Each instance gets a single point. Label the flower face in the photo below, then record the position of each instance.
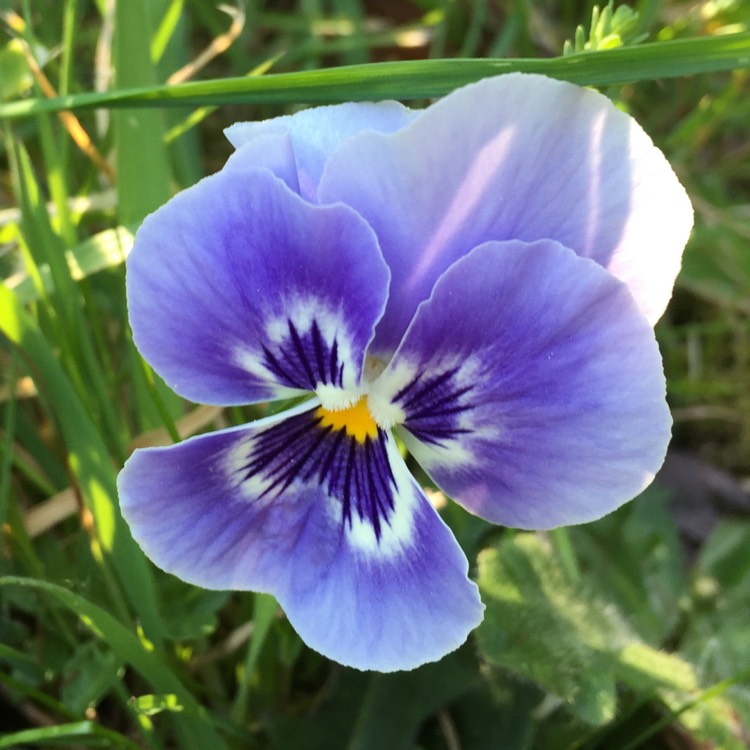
(479, 278)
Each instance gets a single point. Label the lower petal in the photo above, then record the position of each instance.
(530, 387)
(335, 527)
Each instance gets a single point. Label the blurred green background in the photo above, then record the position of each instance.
(628, 633)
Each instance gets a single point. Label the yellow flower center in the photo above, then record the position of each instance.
(357, 420)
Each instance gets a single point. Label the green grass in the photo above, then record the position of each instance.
(99, 648)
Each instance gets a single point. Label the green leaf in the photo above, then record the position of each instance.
(564, 635)
(635, 556)
(375, 711)
(407, 699)
(419, 79)
(15, 76)
(193, 726)
(716, 635)
(143, 176)
(104, 250)
(193, 611)
(150, 705)
(89, 462)
(543, 628)
(726, 557)
(64, 733)
(90, 675)
(501, 713)
(265, 608)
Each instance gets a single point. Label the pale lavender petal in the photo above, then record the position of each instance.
(272, 151)
(240, 291)
(530, 387)
(314, 134)
(335, 528)
(514, 157)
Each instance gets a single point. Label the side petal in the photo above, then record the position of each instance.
(530, 387)
(240, 291)
(517, 157)
(314, 134)
(335, 528)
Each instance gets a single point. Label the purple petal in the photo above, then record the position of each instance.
(333, 526)
(272, 151)
(240, 291)
(530, 387)
(514, 157)
(307, 138)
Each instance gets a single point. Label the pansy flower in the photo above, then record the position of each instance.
(473, 284)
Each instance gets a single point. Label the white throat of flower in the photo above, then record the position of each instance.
(377, 401)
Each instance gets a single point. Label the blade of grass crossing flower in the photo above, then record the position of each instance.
(89, 461)
(419, 79)
(142, 169)
(193, 725)
(200, 114)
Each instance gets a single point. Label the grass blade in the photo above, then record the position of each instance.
(89, 462)
(419, 79)
(194, 728)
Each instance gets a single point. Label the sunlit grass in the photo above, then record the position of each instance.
(99, 648)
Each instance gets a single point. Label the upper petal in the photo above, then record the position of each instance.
(530, 387)
(514, 157)
(306, 139)
(335, 528)
(240, 291)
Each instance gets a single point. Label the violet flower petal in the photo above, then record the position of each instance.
(514, 157)
(307, 138)
(530, 387)
(337, 529)
(240, 291)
